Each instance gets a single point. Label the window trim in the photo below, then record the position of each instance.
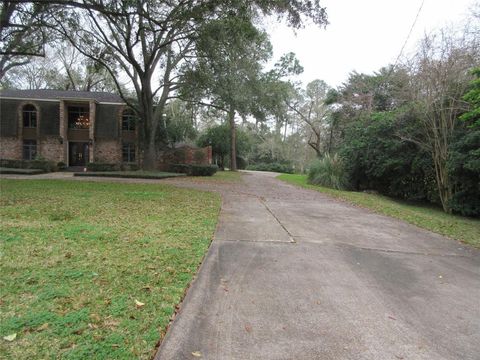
(30, 149)
(30, 112)
(129, 122)
(129, 149)
(78, 112)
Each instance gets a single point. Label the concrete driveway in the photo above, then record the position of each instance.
(293, 274)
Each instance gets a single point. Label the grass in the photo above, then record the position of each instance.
(4, 170)
(130, 174)
(427, 217)
(76, 256)
(219, 177)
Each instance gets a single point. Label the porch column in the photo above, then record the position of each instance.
(91, 130)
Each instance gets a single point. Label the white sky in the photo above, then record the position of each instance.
(362, 35)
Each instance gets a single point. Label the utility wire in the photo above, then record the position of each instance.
(408, 36)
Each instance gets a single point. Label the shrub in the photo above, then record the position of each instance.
(241, 163)
(61, 165)
(328, 171)
(203, 170)
(194, 170)
(129, 167)
(45, 165)
(98, 166)
(273, 167)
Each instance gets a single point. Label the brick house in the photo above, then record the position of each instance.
(73, 127)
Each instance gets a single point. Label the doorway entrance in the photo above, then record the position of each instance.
(77, 153)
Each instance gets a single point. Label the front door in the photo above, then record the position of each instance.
(78, 153)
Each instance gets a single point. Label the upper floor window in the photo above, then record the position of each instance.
(78, 117)
(29, 115)
(128, 120)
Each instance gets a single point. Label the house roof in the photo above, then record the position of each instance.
(41, 94)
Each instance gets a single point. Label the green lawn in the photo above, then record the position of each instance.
(130, 174)
(220, 176)
(434, 219)
(79, 258)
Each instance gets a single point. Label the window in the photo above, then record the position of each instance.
(29, 115)
(78, 117)
(128, 152)
(128, 120)
(29, 149)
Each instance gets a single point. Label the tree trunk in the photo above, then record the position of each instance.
(233, 140)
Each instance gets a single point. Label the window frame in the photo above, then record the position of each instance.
(129, 121)
(73, 114)
(29, 116)
(29, 149)
(129, 153)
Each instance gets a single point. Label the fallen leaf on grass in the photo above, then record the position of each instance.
(139, 304)
(10, 337)
(197, 354)
(43, 327)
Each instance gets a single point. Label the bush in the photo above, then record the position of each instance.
(61, 165)
(97, 166)
(129, 167)
(241, 163)
(194, 170)
(45, 165)
(273, 167)
(328, 171)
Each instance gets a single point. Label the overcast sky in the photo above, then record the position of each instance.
(362, 35)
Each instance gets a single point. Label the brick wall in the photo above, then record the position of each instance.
(51, 149)
(10, 148)
(108, 151)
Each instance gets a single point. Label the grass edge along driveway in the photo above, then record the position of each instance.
(460, 228)
(95, 270)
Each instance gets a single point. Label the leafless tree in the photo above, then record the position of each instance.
(440, 77)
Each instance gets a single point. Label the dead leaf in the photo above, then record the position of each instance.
(248, 328)
(43, 327)
(139, 304)
(391, 317)
(197, 354)
(10, 337)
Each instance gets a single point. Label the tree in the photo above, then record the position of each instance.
(440, 79)
(62, 68)
(151, 42)
(22, 33)
(310, 106)
(227, 72)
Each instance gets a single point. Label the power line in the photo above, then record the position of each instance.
(409, 34)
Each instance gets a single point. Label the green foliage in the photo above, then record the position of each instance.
(376, 158)
(194, 169)
(473, 98)
(41, 164)
(218, 137)
(19, 171)
(99, 166)
(328, 171)
(273, 167)
(464, 169)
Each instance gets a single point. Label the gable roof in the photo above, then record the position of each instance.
(41, 94)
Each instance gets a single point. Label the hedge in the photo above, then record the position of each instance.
(194, 170)
(45, 165)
